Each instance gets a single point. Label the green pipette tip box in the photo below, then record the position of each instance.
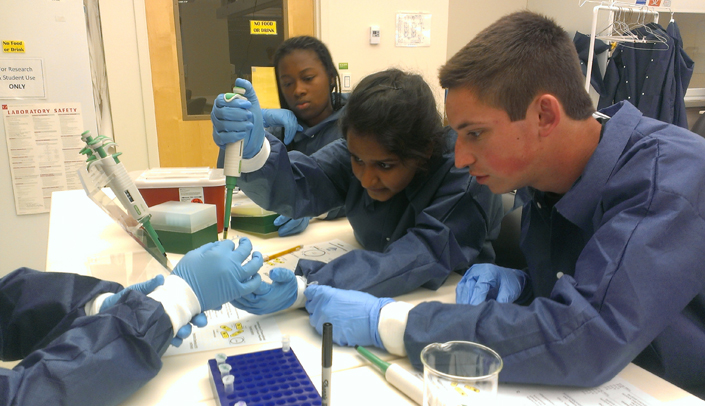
(181, 243)
(184, 226)
(254, 224)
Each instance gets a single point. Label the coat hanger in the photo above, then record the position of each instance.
(635, 34)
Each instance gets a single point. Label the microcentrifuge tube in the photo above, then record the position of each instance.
(286, 343)
(220, 358)
(240, 403)
(224, 369)
(228, 383)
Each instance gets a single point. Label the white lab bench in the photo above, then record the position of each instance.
(83, 239)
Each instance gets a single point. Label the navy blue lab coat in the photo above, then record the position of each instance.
(582, 45)
(616, 268)
(442, 222)
(70, 358)
(653, 77)
(311, 139)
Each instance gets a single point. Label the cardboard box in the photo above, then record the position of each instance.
(196, 185)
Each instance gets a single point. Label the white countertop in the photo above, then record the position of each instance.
(83, 239)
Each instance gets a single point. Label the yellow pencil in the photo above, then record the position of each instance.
(279, 254)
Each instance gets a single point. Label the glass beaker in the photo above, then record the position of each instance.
(460, 373)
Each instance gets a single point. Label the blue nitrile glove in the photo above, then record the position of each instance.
(199, 320)
(216, 274)
(489, 281)
(289, 226)
(270, 298)
(144, 288)
(282, 118)
(354, 314)
(239, 120)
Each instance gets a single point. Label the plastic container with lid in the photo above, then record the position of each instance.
(183, 226)
(197, 185)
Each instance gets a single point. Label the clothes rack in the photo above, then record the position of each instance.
(612, 8)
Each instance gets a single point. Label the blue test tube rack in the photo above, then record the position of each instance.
(265, 378)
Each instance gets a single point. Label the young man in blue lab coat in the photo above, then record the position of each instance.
(612, 227)
(84, 341)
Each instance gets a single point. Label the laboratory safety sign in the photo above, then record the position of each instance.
(43, 148)
(22, 78)
(261, 27)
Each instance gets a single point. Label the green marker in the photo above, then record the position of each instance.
(402, 379)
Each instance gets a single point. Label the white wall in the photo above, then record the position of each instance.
(55, 32)
(467, 18)
(345, 27)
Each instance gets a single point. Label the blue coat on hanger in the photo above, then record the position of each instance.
(651, 76)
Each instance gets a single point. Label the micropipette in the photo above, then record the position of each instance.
(232, 167)
(397, 376)
(119, 181)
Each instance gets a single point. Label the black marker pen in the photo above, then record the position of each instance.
(327, 361)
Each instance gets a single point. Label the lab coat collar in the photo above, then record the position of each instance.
(578, 205)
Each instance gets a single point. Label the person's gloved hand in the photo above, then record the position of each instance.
(354, 314)
(216, 273)
(144, 288)
(239, 120)
(282, 118)
(489, 281)
(289, 226)
(200, 320)
(270, 298)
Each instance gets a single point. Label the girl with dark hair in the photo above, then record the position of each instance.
(309, 86)
(417, 216)
(309, 94)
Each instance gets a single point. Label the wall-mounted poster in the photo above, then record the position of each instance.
(413, 30)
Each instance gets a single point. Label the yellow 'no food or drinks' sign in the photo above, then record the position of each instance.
(260, 27)
(13, 47)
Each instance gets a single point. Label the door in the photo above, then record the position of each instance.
(185, 140)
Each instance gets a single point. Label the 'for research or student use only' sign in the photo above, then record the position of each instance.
(21, 79)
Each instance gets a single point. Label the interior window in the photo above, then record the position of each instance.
(221, 40)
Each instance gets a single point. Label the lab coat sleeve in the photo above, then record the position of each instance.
(288, 182)
(448, 235)
(70, 358)
(639, 273)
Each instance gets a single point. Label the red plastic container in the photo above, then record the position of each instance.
(197, 185)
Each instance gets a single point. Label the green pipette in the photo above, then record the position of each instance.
(402, 379)
(232, 167)
(119, 182)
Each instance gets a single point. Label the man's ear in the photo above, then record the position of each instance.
(549, 113)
